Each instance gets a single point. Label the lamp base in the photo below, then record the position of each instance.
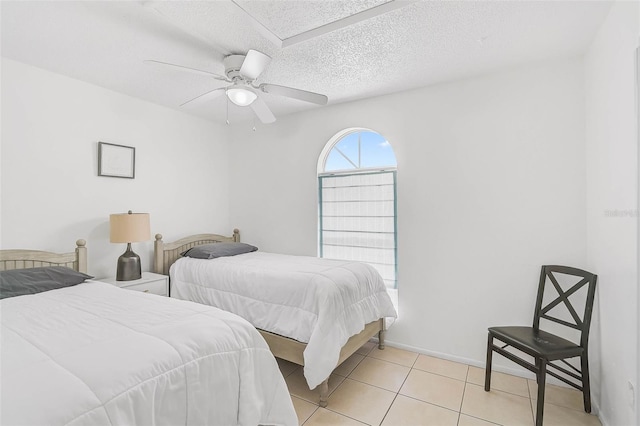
(129, 268)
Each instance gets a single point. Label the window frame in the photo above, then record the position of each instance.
(321, 173)
(324, 155)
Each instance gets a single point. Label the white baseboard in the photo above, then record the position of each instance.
(463, 360)
(596, 410)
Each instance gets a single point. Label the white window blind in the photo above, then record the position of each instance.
(358, 220)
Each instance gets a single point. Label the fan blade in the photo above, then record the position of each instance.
(191, 70)
(290, 92)
(262, 111)
(254, 63)
(205, 97)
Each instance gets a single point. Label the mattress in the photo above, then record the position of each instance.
(320, 302)
(94, 354)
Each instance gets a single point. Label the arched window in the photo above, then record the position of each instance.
(357, 201)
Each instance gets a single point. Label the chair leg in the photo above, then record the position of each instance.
(586, 383)
(487, 370)
(541, 378)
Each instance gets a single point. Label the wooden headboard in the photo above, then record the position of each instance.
(167, 253)
(21, 259)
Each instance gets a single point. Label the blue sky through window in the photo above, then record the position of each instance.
(360, 150)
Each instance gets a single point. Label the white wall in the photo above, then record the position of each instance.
(51, 194)
(612, 216)
(491, 185)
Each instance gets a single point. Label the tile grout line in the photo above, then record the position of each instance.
(388, 409)
(376, 386)
(502, 390)
(427, 402)
(533, 415)
(344, 415)
(398, 393)
(310, 415)
(464, 390)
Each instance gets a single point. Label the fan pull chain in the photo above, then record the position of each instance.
(227, 109)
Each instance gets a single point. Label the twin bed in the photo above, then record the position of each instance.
(94, 354)
(312, 312)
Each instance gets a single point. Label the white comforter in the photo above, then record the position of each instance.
(95, 354)
(321, 302)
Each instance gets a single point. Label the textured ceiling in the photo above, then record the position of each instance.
(289, 18)
(421, 43)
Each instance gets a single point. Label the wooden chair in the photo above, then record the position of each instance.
(547, 349)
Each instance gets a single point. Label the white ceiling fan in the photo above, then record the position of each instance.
(242, 71)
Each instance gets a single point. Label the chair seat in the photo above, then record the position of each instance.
(537, 343)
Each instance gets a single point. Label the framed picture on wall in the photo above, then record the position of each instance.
(116, 160)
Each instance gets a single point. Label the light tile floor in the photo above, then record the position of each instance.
(397, 387)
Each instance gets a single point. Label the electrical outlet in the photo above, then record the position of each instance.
(632, 394)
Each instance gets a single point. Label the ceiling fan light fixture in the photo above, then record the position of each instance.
(241, 96)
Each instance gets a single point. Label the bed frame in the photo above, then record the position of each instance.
(21, 259)
(282, 347)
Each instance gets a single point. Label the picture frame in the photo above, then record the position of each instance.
(116, 160)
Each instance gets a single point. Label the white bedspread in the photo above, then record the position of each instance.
(321, 302)
(94, 354)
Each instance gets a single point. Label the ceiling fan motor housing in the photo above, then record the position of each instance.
(232, 65)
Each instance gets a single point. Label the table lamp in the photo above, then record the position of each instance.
(129, 228)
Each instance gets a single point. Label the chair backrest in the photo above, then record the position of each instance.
(582, 322)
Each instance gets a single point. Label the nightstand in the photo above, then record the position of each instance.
(149, 283)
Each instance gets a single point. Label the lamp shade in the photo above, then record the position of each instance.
(129, 227)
